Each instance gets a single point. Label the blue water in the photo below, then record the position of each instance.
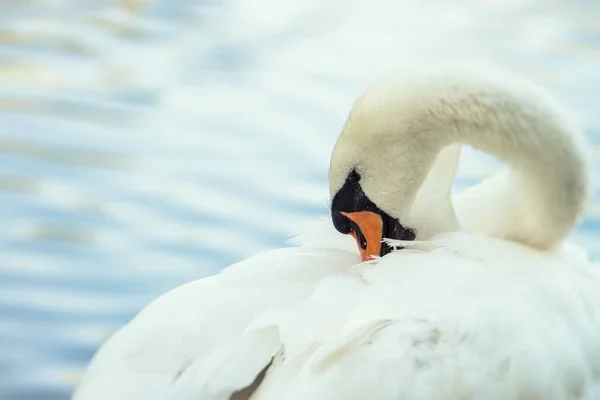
(147, 143)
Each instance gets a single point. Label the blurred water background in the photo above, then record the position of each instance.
(144, 144)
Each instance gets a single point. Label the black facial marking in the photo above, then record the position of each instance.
(353, 176)
(351, 198)
(340, 222)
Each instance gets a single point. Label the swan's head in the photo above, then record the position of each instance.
(385, 183)
(393, 165)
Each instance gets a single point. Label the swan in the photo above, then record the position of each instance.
(425, 296)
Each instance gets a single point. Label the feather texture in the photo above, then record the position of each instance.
(459, 316)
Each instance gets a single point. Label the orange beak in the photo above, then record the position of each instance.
(368, 234)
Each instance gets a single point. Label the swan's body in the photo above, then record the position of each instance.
(511, 312)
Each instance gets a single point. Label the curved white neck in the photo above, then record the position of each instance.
(542, 194)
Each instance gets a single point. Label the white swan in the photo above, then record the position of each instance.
(507, 312)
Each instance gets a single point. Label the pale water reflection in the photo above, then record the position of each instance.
(147, 143)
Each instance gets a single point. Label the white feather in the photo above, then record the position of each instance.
(472, 316)
(453, 315)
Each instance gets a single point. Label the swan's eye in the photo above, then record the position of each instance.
(360, 237)
(353, 176)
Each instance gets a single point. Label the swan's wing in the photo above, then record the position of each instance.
(197, 341)
(470, 318)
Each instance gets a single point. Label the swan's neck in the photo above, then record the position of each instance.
(540, 197)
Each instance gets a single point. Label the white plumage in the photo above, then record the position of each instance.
(472, 317)
(453, 315)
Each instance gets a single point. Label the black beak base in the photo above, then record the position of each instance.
(351, 198)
